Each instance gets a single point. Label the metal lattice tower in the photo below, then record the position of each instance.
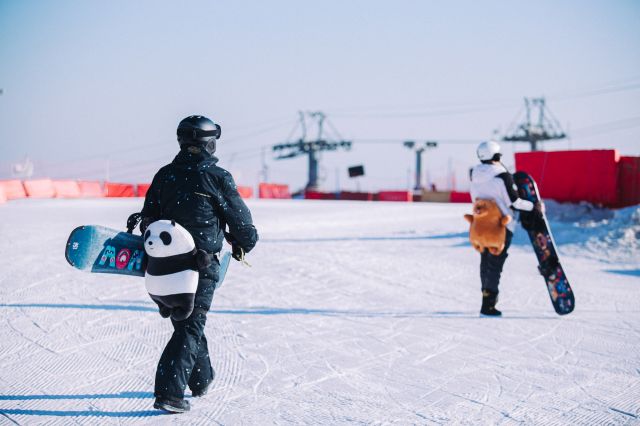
(545, 128)
(311, 148)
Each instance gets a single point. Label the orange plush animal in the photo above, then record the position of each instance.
(488, 227)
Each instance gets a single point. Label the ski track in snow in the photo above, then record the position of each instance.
(363, 313)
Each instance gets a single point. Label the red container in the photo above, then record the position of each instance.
(459, 197)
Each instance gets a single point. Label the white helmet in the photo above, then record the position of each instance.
(487, 151)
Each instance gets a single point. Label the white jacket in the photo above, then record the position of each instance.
(494, 182)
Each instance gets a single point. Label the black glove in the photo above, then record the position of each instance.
(237, 253)
(229, 238)
(144, 224)
(532, 220)
(133, 221)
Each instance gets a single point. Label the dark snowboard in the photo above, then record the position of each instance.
(539, 232)
(99, 249)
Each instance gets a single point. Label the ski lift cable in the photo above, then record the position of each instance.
(432, 113)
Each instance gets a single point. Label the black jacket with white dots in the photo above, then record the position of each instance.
(202, 197)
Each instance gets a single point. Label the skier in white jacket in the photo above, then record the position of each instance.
(490, 180)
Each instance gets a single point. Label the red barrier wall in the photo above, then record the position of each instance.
(574, 176)
(141, 189)
(357, 196)
(459, 197)
(629, 181)
(39, 188)
(13, 189)
(91, 189)
(245, 191)
(405, 196)
(119, 189)
(317, 195)
(273, 190)
(66, 188)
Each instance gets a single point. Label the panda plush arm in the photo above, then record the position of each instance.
(236, 214)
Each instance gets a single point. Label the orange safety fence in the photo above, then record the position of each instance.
(3, 195)
(142, 189)
(91, 189)
(245, 191)
(66, 188)
(119, 189)
(405, 196)
(13, 189)
(39, 188)
(273, 190)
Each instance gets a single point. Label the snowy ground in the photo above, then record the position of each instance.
(362, 313)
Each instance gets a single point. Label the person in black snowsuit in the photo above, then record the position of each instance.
(491, 180)
(203, 198)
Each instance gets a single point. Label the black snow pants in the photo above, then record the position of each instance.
(185, 359)
(491, 266)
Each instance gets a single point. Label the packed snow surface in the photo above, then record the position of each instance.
(352, 312)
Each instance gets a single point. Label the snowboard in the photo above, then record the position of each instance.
(98, 249)
(539, 231)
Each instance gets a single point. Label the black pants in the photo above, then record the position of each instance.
(491, 266)
(185, 359)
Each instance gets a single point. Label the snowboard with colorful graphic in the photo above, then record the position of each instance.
(537, 227)
(98, 249)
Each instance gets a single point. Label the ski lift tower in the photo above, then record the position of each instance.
(310, 148)
(545, 128)
(419, 149)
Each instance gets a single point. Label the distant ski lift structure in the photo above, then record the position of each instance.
(23, 170)
(545, 128)
(311, 148)
(419, 149)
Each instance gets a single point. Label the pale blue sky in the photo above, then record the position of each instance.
(88, 82)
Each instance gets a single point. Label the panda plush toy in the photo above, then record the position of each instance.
(173, 263)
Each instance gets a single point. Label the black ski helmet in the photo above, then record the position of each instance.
(197, 130)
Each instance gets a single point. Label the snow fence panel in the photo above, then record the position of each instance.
(91, 189)
(119, 190)
(245, 191)
(66, 188)
(574, 176)
(403, 196)
(39, 188)
(13, 189)
(141, 189)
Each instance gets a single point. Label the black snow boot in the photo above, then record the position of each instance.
(171, 405)
(489, 300)
(197, 393)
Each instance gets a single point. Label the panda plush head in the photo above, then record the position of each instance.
(164, 238)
